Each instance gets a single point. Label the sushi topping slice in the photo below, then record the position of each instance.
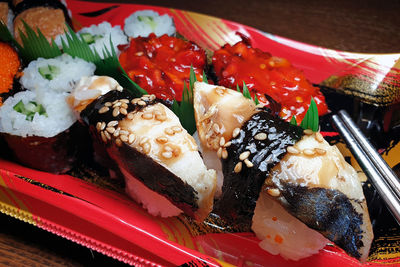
(153, 151)
(254, 150)
(30, 109)
(49, 72)
(266, 74)
(161, 65)
(90, 38)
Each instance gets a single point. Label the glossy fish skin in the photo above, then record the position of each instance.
(241, 189)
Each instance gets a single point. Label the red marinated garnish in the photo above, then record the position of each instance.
(161, 65)
(265, 74)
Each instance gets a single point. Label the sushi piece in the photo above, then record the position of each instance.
(59, 74)
(161, 65)
(298, 169)
(265, 74)
(143, 23)
(10, 70)
(6, 14)
(35, 125)
(49, 16)
(162, 167)
(99, 36)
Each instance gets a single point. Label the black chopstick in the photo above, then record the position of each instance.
(377, 170)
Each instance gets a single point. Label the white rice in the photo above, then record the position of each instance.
(70, 72)
(59, 116)
(144, 22)
(106, 31)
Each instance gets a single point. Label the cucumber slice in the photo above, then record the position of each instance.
(30, 109)
(19, 107)
(89, 38)
(49, 72)
(148, 20)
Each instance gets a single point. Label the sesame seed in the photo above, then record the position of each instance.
(123, 138)
(244, 155)
(130, 116)
(177, 129)
(117, 104)
(320, 151)
(124, 105)
(108, 136)
(167, 154)
(219, 91)
(219, 152)
(227, 144)
(167, 148)
(161, 117)
(146, 148)
(292, 150)
(114, 102)
(118, 142)
(169, 131)
(143, 140)
(131, 138)
(152, 97)
(309, 152)
(319, 137)
(135, 100)
(112, 123)
(222, 141)
(103, 137)
(260, 136)
(215, 128)
(115, 112)
(274, 192)
(102, 126)
(103, 110)
(235, 132)
(162, 139)
(308, 132)
(248, 163)
(98, 126)
(224, 153)
(123, 111)
(176, 152)
(111, 130)
(116, 133)
(124, 100)
(107, 104)
(145, 97)
(238, 167)
(124, 132)
(141, 103)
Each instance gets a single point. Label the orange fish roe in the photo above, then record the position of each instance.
(278, 239)
(9, 66)
(274, 219)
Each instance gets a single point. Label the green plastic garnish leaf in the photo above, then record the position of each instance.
(311, 119)
(185, 109)
(293, 120)
(205, 80)
(246, 93)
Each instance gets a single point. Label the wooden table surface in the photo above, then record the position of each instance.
(359, 26)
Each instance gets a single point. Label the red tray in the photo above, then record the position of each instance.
(109, 222)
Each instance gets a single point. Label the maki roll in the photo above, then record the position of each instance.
(10, 71)
(160, 162)
(266, 159)
(143, 23)
(35, 125)
(99, 36)
(49, 16)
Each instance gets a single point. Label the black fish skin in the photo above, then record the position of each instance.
(328, 211)
(144, 168)
(240, 191)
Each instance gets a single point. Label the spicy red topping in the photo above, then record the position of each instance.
(265, 74)
(161, 65)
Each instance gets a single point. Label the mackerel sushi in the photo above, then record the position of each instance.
(269, 165)
(160, 161)
(49, 16)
